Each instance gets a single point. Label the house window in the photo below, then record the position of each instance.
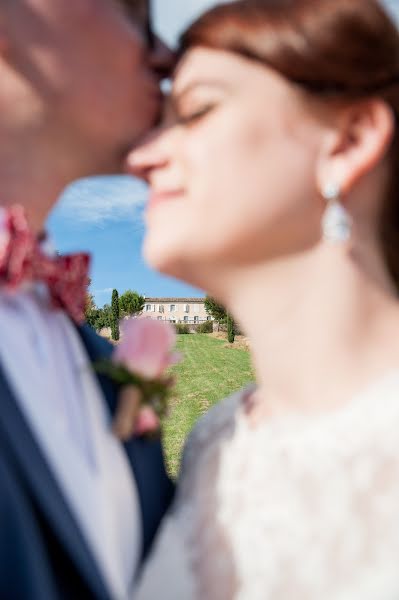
(172, 308)
(148, 307)
(160, 318)
(209, 318)
(161, 308)
(187, 308)
(196, 319)
(185, 318)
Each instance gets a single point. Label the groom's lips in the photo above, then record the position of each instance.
(157, 198)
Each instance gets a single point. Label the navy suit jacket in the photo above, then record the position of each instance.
(43, 555)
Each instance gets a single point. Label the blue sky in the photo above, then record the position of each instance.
(393, 7)
(104, 215)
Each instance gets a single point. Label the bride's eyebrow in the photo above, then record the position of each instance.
(177, 96)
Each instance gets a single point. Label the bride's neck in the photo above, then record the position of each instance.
(320, 325)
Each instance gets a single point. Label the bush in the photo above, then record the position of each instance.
(206, 327)
(182, 328)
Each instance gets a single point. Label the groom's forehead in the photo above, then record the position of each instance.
(139, 9)
(72, 17)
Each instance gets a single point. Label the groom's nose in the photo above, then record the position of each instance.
(162, 59)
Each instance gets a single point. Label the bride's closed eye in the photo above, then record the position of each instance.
(196, 101)
(192, 116)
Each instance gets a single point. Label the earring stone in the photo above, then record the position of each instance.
(336, 223)
(331, 191)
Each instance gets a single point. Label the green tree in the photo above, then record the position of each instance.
(103, 318)
(99, 318)
(91, 316)
(230, 329)
(215, 310)
(220, 314)
(131, 303)
(115, 315)
(90, 306)
(90, 303)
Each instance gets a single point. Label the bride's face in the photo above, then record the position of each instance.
(232, 171)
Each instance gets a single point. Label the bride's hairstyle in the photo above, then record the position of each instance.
(337, 50)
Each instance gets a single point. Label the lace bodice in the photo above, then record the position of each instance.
(299, 508)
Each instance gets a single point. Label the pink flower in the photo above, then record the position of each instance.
(5, 235)
(147, 421)
(146, 347)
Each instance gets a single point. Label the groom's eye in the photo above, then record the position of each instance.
(139, 12)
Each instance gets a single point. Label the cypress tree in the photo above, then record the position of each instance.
(230, 329)
(115, 315)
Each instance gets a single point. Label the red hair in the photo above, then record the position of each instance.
(334, 49)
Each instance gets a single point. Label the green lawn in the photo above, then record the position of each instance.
(208, 372)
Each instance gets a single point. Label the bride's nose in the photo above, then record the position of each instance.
(146, 158)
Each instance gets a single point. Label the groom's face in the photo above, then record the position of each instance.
(86, 72)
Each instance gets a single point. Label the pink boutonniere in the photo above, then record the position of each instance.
(139, 364)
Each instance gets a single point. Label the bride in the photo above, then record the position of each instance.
(275, 187)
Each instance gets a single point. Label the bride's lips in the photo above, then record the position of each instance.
(161, 197)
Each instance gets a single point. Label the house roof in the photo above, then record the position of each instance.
(167, 300)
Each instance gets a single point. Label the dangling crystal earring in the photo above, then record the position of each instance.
(336, 223)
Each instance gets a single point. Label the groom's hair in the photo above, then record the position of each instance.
(334, 50)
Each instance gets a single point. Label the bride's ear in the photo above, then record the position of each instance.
(358, 141)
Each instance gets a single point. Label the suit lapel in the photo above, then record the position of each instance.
(35, 471)
(143, 455)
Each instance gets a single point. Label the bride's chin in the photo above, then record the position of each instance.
(163, 259)
(172, 263)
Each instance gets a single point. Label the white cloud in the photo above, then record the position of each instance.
(104, 291)
(99, 200)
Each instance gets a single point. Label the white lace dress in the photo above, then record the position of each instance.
(301, 508)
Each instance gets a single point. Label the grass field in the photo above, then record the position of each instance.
(209, 371)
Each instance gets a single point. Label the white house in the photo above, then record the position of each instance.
(176, 310)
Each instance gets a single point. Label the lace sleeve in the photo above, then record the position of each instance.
(197, 503)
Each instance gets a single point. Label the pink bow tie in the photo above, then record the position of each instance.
(23, 260)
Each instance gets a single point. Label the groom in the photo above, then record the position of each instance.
(78, 510)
